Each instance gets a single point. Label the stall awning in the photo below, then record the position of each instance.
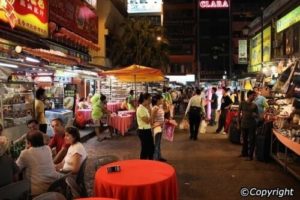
(52, 56)
(69, 35)
(136, 73)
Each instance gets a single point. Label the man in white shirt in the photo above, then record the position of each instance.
(37, 159)
(195, 111)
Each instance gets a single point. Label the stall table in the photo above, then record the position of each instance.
(138, 179)
(86, 114)
(121, 123)
(113, 106)
(64, 114)
(288, 144)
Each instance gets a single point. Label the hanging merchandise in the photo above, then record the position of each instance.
(284, 80)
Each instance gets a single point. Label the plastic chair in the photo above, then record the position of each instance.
(50, 196)
(17, 190)
(67, 183)
(103, 160)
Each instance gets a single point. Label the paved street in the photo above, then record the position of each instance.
(206, 169)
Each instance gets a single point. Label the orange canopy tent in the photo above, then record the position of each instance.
(136, 73)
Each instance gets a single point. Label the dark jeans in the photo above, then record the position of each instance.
(213, 116)
(147, 143)
(43, 128)
(157, 152)
(248, 141)
(194, 121)
(222, 120)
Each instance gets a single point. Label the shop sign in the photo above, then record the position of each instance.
(211, 4)
(288, 20)
(243, 52)
(255, 49)
(75, 16)
(30, 15)
(144, 6)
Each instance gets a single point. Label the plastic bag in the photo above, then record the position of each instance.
(168, 132)
(184, 125)
(202, 128)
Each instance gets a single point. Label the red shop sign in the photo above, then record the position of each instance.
(31, 15)
(212, 4)
(75, 16)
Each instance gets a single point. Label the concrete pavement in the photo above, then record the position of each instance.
(208, 168)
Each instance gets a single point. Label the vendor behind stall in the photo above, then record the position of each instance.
(40, 109)
(131, 100)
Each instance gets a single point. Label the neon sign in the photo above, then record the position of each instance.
(211, 4)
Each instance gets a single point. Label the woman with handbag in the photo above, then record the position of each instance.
(195, 113)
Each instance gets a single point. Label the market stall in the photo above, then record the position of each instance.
(131, 77)
(285, 137)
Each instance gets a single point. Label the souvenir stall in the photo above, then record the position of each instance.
(133, 75)
(285, 114)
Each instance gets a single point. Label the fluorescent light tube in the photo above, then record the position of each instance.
(8, 65)
(30, 59)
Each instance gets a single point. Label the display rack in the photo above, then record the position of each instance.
(115, 90)
(17, 103)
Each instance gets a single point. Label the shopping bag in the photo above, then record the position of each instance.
(184, 125)
(168, 133)
(202, 128)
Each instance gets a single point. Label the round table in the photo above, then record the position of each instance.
(138, 179)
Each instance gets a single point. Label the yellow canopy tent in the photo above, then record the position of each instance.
(136, 73)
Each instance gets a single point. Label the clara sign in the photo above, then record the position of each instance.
(214, 4)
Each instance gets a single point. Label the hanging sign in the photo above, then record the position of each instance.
(212, 4)
(31, 15)
(243, 52)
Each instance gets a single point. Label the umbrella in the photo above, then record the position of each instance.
(136, 73)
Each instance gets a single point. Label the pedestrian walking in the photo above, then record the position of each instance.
(195, 112)
(225, 106)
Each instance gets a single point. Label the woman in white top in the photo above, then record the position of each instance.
(196, 111)
(37, 159)
(157, 116)
(144, 127)
(76, 155)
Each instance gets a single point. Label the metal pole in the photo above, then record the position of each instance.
(230, 39)
(198, 45)
(262, 35)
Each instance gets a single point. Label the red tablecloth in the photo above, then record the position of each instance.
(120, 123)
(113, 106)
(137, 180)
(86, 113)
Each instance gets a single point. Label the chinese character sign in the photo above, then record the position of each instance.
(31, 15)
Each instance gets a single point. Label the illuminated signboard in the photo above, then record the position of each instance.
(31, 15)
(243, 52)
(211, 4)
(255, 49)
(144, 6)
(288, 20)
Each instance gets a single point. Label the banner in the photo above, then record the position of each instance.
(288, 20)
(255, 49)
(243, 52)
(144, 6)
(75, 16)
(30, 15)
